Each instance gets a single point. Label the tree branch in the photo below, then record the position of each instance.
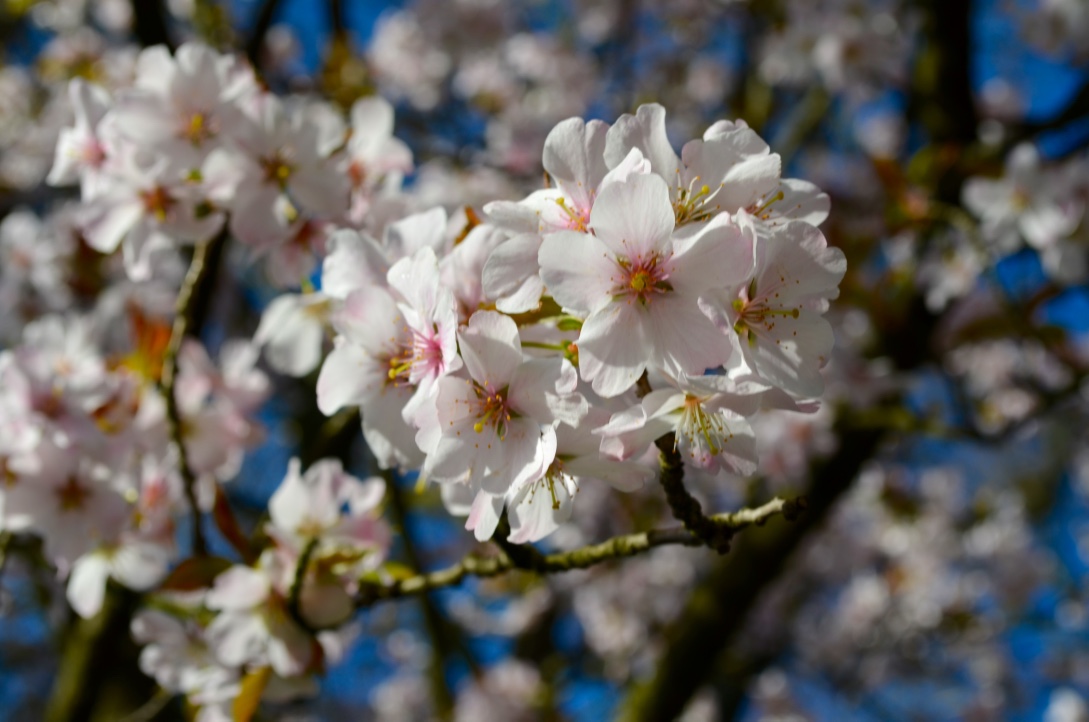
(717, 610)
(582, 558)
(187, 319)
(265, 15)
(685, 507)
(149, 23)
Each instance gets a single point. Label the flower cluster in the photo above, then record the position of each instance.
(195, 140)
(256, 620)
(509, 354)
(703, 275)
(85, 456)
(1037, 204)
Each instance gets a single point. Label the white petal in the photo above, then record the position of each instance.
(613, 348)
(348, 378)
(511, 274)
(578, 270)
(683, 338)
(719, 255)
(574, 154)
(484, 515)
(634, 218)
(354, 261)
(646, 131)
(491, 348)
(87, 584)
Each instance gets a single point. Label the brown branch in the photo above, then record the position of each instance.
(582, 558)
(186, 319)
(685, 507)
(265, 15)
(149, 23)
(718, 609)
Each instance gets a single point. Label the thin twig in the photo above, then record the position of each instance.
(183, 321)
(294, 594)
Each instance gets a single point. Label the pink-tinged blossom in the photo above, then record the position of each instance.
(368, 367)
(776, 316)
(81, 152)
(176, 655)
(539, 507)
(184, 104)
(392, 349)
(329, 504)
(707, 415)
(639, 285)
(377, 161)
(431, 317)
(1029, 201)
(574, 159)
(498, 426)
(253, 625)
(216, 427)
(283, 152)
(71, 500)
(146, 209)
(337, 514)
(730, 169)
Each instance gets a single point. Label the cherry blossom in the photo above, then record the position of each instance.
(639, 285)
(498, 427)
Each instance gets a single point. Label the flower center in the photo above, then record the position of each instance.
(423, 357)
(754, 312)
(492, 411)
(557, 481)
(643, 279)
(73, 495)
(198, 129)
(277, 169)
(358, 174)
(693, 204)
(762, 211)
(706, 434)
(157, 202)
(577, 218)
(7, 476)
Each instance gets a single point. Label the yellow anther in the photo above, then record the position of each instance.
(640, 280)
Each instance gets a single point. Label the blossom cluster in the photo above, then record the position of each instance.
(85, 456)
(1038, 204)
(509, 354)
(642, 293)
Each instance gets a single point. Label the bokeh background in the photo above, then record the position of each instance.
(941, 573)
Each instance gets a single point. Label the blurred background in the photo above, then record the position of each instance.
(940, 572)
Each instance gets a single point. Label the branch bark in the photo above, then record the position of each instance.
(529, 559)
(265, 15)
(190, 311)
